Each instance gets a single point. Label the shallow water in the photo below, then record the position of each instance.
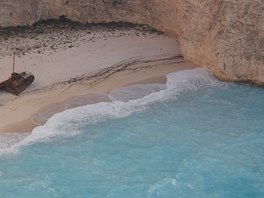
(198, 138)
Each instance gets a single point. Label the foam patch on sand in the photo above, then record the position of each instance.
(68, 122)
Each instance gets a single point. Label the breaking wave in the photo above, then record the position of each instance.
(68, 122)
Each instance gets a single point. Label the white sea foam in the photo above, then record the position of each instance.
(133, 92)
(155, 189)
(165, 184)
(68, 122)
(8, 140)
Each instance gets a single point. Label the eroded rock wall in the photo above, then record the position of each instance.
(226, 36)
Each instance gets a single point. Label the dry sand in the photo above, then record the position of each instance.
(94, 61)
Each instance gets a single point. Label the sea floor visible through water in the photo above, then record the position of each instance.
(194, 137)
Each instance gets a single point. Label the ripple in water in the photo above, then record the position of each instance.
(196, 138)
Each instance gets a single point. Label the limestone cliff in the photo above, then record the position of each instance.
(226, 36)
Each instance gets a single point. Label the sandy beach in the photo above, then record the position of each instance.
(74, 66)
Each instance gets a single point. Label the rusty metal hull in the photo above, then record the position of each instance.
(17, 83)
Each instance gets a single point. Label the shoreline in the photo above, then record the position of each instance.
(76, 94)
(77, 65)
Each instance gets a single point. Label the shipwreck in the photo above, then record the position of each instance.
(18, 82)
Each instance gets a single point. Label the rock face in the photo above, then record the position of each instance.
(225, 36)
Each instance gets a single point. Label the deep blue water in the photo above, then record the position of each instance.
(206, 141)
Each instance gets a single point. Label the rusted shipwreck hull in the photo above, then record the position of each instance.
(17, 83)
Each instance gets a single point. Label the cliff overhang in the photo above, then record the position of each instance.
(225, 36)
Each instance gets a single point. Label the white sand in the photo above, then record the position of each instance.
(50, 67)
(83, 59)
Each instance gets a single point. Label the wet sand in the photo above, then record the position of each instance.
(97, 61)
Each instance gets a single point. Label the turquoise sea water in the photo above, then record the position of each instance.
(196, 138)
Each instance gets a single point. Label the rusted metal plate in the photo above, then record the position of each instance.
(17, 83)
